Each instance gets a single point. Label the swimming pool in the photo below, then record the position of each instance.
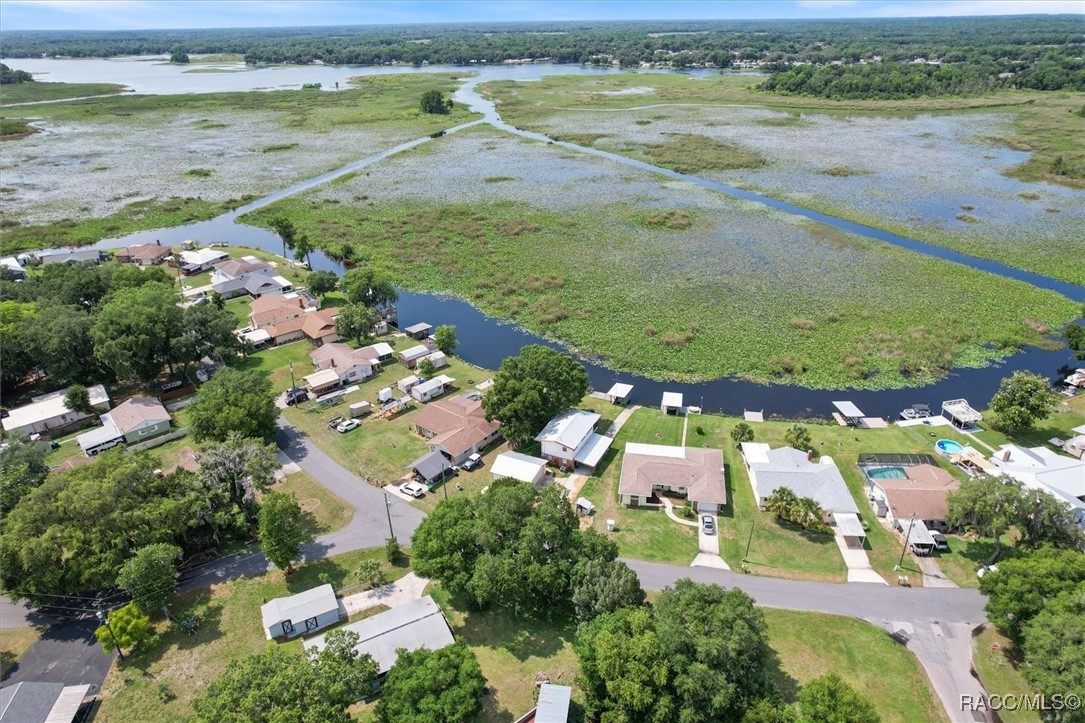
(948, 446)
(887, 473)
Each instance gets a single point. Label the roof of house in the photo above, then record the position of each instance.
(299, 608)
(342, 356)
(431, 465)
(517, 466)
(848, 524)
(570, 428)
(270, 309)
(430, 386)
(203, 256)
(138, 412)
(672, 399)
(697, 469)
(99, 435)
(923, 493)
(63, 257)
(144, 252)
(382, 349)
(458, 423)
(788, 467)
(418, 328)
(322, 378)
(319, 324)
(848, 409)
(245, 265)
(1058, 474)
(46, 406)
(415, 352)
(553, 704)
(593, 449)
(31, 702)
(412, 626)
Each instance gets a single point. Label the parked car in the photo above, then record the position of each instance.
(413, 489)
(708, 524)
(473, 462)
(346, 426)
(293, 396)
(940, 542)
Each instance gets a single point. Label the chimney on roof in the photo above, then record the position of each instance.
(810, 455)
(1006, 456)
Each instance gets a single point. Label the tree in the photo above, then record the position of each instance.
(370, 573)
(240, 467)
(797, 436)
(828, 699)
(322, 282)
(16, 339)
(1054, 647)
(356, 322)
(1022, 400)
(781, 503)
(606, 586)
(988, 504)
(1043, 519)
(1018, 590)
(77, 399)
(368, 287)
(284, 227)
(127, 628)
(179, 56)
(60, 339)
(426, 369)
(22, 469)
(807, 513)
(133, 331)
(391, 550)
(438, 686)
(150, 575)
(1075, 339)
(445, 338)
(346, 675)
(765, 711)
(433, 101)
(234, 401)
(742, 433)
(303, 247)
(531, 388)
(206, 330)
(282, 530)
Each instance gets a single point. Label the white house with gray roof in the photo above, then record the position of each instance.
(49, 412)
(301, 614)
(1041, 469)
(569, 439)
(771, 469)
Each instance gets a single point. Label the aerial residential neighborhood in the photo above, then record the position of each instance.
(542, 362)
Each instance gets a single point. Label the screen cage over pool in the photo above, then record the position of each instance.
(866, 459)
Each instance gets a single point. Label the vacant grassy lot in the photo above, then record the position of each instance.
(325, 512)
(811, 644)
(160, 681)
(999, 666)
(37, 91)
(736, 290)
(14, 642)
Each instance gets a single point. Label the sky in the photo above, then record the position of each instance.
(143, 14)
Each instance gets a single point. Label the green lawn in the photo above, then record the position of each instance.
(38, 91)
(325, 511)
(998, 664)
(807, 645)
(14, 642)
(240, 307)
(1069, 413)
(178, 667)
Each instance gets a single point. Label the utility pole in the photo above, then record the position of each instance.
(749, 542)
(388, 509)
(904, 549)
(292, 385)
(104, 619)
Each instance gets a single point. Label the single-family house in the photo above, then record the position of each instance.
(551, 707)
(195, 261)
(672, 403)
(418, 331)
(520, 467)
(50, 413)
(248, 275)
(430, 389)
(430, 468)
(132, 422)
(897, 492)
(1040, 468)
(411, 626)
(569, 439)
(144, 254)
(316, 325)
(695, 473)
(13, 268)
(271, 310)
(406, 384)
(456, 427)
(410, 357)
(73, 257)
(301, 614)
(34, 702)
(620, 393)
(770, 469)
(350, 365)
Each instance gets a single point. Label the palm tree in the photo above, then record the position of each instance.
(807, 513)
(781, 502)
(303, 248)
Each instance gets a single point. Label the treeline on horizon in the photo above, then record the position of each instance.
(808, 57)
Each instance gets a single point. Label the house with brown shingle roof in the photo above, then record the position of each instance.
(919, 489)
(144, 254)
(288, 318)
(456, 427)
(351, 365)
(693, 472)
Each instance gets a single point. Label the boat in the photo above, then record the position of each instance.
(916, 411)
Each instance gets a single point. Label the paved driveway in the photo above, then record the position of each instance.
(66, 653)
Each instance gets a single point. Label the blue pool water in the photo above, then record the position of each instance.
(948, 446)
(887, 473)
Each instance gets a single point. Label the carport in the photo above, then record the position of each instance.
(850, 528)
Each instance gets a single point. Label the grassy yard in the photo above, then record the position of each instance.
(284, 267)
(998, 664)
(1060, 423)
(326, 511)
(807, 645)
(37, 91)
(160, 681)
(14, 642)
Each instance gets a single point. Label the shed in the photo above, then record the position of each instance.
(419, 331)
(429, 390)
(672, 403)
(517, 466)
(322, 380)
(409, 357)
(620, 393)
(584, 506)
(553, 704)
(437, 359)
(300, 614)
(849, 412)
(850, 528)
(406, 384)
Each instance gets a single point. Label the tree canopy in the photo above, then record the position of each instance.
(1054, 647)
(128, 627)
(150, 575)
(828, 699)
(445, 338)
(1022, 400)
(322, 282)
(368, 287)
(134, 330)
(433, 101)
(234, 402)
(530, 388)
(437, 686)
(282, 529)
(606, 586)
(356, 322)
(1018, 590)
(22, 469)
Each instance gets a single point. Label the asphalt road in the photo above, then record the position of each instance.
(66, 653)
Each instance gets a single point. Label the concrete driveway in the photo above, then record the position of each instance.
(708, 547)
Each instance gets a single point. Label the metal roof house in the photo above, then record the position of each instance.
(93, 256)
(552, 706)
(41, 702)
(49, 412)
(521, 467)
(569, 439)
(306, 612)
(694, 472)
(1040, 468)
(413, 626)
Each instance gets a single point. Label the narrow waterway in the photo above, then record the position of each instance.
(486, 341)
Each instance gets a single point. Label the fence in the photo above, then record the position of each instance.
(157, 441)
